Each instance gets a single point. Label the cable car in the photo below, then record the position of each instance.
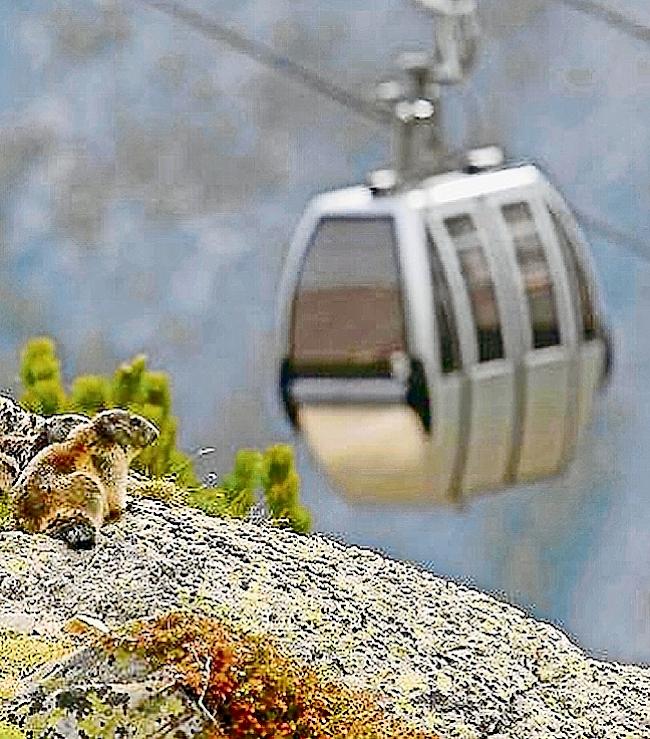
(442, 338)
(440, 329)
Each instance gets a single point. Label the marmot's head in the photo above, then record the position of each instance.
(127, 429)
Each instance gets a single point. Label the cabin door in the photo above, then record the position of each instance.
(352, 379)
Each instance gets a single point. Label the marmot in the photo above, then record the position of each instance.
(71, 487)
(24, 434)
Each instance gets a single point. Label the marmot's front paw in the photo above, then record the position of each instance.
(114, 514)
(77, 534)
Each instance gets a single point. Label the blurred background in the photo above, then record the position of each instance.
(150, 179)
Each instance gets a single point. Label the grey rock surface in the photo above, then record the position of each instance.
(448, 658)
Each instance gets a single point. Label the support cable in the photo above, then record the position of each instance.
(610, 17)
(638, 246)
(268, 57)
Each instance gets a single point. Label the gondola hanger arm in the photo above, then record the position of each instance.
(456, 37)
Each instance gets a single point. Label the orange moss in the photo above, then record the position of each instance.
(250, 690)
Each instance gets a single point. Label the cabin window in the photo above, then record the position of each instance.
(577, 273)
(448, 343)
(480, 286)
(347, 313)
(538, 283)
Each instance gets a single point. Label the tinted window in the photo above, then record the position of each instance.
(533, 264)
(480, 286)
(581, 284)
(347, 313)
(445, 318)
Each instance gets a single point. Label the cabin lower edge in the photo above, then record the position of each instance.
(375, 453)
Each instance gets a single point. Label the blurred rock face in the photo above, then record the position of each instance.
(149, 183)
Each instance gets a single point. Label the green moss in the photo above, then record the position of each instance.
(160, 489)
(9, 731)
(104, 720)
(211, 501)
(39, 724)
(5, 509)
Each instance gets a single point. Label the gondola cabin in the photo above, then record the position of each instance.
(440, 339)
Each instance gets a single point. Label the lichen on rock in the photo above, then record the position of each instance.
(21, 654)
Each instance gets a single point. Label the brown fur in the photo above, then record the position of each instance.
(82, 479)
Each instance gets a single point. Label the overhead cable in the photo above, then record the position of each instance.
(613, 18)
(267, 56)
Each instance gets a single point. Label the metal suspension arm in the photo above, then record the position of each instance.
(456, 38)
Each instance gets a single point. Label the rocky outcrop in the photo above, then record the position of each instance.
(448, 658)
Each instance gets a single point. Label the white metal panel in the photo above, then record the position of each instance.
(489, 407)
(565, 300)
(590, 354)
(569, 327)
(546, 376)
(548, 398)
(506, 272)
(468, 186)
(446, 446)
(492, 410)
(419, 310)
(455, 387)
(559, 206)
(446, 389)
(461, 303)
